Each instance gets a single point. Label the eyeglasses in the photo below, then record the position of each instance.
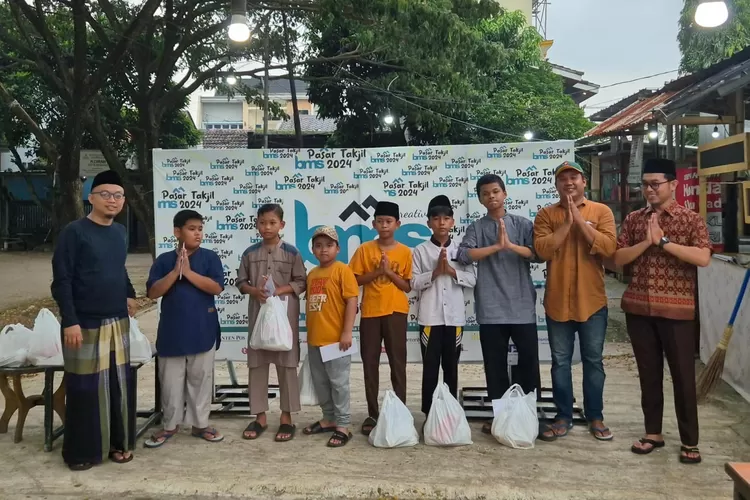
(106, 195)
(653, 185)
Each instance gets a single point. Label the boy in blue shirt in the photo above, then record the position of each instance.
(187, 280)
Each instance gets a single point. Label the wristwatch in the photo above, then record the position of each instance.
(663, 241)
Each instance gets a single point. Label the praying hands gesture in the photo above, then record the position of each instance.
(503, 242)
(573, 215)
(443, 266)
(654, 232)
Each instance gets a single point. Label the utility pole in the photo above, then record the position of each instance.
(267, 63)
(292, 83)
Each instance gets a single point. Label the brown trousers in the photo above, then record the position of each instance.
(288, 389)
(373, 332)
(652, 339)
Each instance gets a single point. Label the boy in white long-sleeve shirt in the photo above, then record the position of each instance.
(440, 282)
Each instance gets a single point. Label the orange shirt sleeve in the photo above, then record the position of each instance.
(605, 241)
(348, 282)
(543, 234)
(406, 263)
(358, 264)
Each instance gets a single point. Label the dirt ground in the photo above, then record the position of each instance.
(576, 467)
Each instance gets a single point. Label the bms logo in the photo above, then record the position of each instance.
(308, 164)
(171, 200)
(410, 235)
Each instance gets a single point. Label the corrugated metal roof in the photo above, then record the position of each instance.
(637, 113)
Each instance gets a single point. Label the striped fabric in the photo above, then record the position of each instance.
(424, 337)
(97, 377)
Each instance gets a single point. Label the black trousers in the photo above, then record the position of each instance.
(441, 346)
(494, 340)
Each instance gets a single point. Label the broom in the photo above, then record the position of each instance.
(710, 376)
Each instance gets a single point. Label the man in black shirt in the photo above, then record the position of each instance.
(93, 291)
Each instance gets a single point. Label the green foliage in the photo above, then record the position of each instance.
(437, 66)
(702, 47)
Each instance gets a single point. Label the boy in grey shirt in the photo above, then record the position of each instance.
(504, 297)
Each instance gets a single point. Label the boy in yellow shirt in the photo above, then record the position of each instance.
(332, 293)
(384, 268)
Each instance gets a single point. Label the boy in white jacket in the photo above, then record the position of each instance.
(440, 282)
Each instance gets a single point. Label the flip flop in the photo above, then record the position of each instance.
(285, 429)
(209, 434)
(368, 425)
(153, 441)
(487, 428)
(316, 428)
(565, 426)
(255, 427)
(123, 460)
(544, 428)
(641, 451)
(343, 439)
(689, 460)
(593, 430)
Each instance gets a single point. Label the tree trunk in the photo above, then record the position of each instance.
(69, 188)
(292, 84)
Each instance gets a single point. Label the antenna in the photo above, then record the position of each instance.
(539, 13)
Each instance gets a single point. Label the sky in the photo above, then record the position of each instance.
(612, 41)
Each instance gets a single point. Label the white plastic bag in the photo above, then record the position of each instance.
(45, 346)
(307, 395)
(272, 331)
(446, 423)
(516, 424)
(140, 347)
(14, 346)
(395, 428)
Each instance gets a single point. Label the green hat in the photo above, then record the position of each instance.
(568, 165)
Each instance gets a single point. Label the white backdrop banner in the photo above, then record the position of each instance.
(340, 187)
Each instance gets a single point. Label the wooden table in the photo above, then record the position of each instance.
(740, 473)
(54, 402)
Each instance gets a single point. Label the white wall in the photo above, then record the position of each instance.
(213, 112)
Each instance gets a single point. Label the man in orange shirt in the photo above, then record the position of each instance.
(383, 268)
(573, 237)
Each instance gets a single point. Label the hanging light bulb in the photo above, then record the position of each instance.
(711, 14)
(528, 135)
(231, 79)
(388, 119)
(715, 134)
(238, 29)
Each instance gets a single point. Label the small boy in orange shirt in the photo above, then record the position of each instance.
(383, 268)
(332, 293)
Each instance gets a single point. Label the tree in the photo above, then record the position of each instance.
(701, 47)
(441, 66)
(51, 39)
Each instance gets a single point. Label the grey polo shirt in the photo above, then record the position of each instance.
(504, 293)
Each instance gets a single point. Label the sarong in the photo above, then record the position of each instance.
(98, 397)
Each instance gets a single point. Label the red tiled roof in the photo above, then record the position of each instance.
(638, 113)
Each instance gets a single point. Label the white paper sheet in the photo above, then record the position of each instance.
(332, 351)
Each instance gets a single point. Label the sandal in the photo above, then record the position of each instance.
(597, 431)
(368, 425)
(689, 460)
(645, 451)
(255, 427)
(210, 434)
(545, 428)
(159, 438)
(122, 460)
(289, 429)
(341, 437)
(80, 467)
(563, 426)
(316, 428)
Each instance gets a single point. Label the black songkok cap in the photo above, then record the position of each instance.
(387, 208)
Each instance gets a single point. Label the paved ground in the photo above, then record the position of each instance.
(577, 467)
(26, 276)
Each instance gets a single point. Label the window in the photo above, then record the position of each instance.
(223, 126)
(304, 112)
